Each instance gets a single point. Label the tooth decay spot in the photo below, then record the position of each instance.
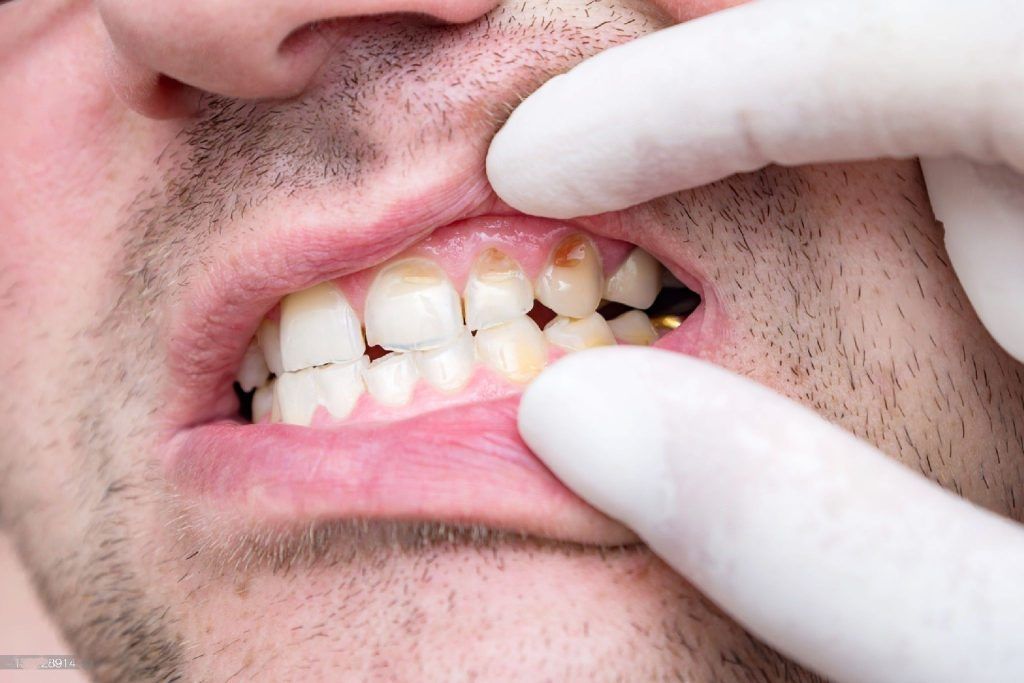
(316, 357)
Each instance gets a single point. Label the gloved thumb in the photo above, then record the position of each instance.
(814, 540)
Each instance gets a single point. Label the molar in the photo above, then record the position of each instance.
(448, 368)
(497, 290)
(516, 349)
(633, 327)
(253, 371)
(391, 378)
(572, 282)
(412, 306)
(636, 282)
(576, 334)
(318, 325)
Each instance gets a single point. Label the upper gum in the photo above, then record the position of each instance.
(455, 247)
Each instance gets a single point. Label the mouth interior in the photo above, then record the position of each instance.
(470, 314)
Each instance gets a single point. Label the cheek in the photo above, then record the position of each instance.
(72, 158)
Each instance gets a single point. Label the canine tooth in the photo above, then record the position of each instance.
(636, 282)
(572, 282)
(339, 386)
(391, 378)
(449, 367)
(318, 325)
(576, 334)
(633, 327)
(296, 396)
(268, 336)
(516, 349)
(412, 306)
(497, 290)
(263, 402)
(253, 371)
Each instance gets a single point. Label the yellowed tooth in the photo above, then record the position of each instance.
(516, 349)
(295, 395)
(636, 282)
(497, 290)
(412, 306)
(572, 282)
(633, 327)
(339, 386)
(268, 336)
(576, 334)
(318, 326)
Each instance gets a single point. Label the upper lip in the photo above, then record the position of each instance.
(305, 473)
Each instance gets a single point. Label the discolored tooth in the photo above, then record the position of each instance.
(497, 290)
(516, 349)
(253, 371)
(633, 327)
(576, 334)
(318, 325)
(339, 386)
(391, 378)
(263, 402)
(268, 336)
(636, 282)
(572, 282)
(296, 396)
(448, 368)
(412, 306)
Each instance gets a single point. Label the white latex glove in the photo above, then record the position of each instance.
(795, 82)
(816, 542)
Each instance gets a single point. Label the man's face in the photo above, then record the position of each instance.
(169, 537)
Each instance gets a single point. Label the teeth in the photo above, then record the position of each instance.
(339, 386)
(572, 282)
(391, 379)
(263, 402)
(516, 349)
(412, 306)
(319, 326)
(497, 291)
(637, 281)
(253, 372)
(449, 367)
(576, 334)
(268, 336)
(634, 327)
(336, 386)
(295, 394)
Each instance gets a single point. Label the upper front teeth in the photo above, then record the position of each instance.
(319, 326)
(317, 352)
(412, 306)
(572, 282)
(497, 291)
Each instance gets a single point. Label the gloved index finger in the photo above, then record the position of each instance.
(789, 82)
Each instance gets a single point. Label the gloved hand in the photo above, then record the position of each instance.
(819, 544)
(794, 82)
(815, 541)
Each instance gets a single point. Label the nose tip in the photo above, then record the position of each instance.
(238, 48)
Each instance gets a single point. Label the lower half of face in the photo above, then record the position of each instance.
(267, 427)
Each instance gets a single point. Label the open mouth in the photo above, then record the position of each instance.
(390, 392)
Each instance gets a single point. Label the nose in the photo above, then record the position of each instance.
(239, 48)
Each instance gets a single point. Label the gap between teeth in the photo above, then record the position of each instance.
(315, 355)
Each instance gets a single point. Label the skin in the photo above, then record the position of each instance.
(836, 286)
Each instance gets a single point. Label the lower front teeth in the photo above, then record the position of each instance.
(314, 356)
